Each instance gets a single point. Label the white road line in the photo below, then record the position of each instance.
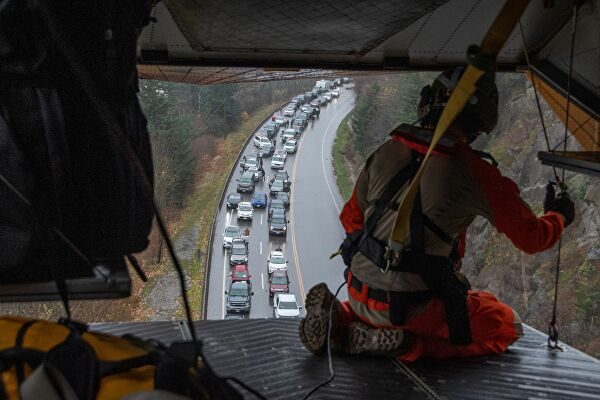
(261, 219)
(323, 161)
(262, 280)
(260, 248)
(224, 279)
(229, 215)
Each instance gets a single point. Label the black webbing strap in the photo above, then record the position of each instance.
(364, 241)
(439, 232)
(20, 367)
(392, 188)
(440, 279)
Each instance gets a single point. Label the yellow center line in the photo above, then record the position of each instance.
(292, 227)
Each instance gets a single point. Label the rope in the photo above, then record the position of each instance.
(552, 329)
(537, 98)
(417, 381)
(329, 357)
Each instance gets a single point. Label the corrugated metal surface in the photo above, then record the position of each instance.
(166, 332)
(268, 355)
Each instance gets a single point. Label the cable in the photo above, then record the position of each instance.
(552, 330)
(537, 99)
(118, 141)
(329, 357)
(569, 82)
(57, 231)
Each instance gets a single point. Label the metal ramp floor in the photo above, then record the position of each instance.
(267, 354)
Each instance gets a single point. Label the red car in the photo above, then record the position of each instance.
(240, 273)
(279, 282)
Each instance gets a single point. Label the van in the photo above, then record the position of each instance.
(261, 141)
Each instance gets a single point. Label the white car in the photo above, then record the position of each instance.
(335, 92)
(244, 211)
(289, 112)
(290, 146)
(231, 232)
(285, 306)
(288, 134)
(277, 261)
(277, 161)
(328, 96)
(281, 153)
(262, 141)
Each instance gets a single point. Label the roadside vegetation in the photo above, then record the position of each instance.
(381, 104)
(525, 282)
(196, 134)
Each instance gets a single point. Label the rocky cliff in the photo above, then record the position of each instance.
(526, 282)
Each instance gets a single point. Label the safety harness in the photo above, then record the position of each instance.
(439, 273)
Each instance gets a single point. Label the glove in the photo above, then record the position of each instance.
(550, 198)
(563, 205)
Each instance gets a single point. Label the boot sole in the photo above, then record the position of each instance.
(363, 339)
(313, 328)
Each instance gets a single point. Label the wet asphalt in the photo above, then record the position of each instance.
(314, 231)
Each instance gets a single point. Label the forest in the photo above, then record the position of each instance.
(196, 132)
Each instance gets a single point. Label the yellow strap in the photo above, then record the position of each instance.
(492, 43)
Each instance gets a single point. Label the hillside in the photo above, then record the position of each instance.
(492, 263)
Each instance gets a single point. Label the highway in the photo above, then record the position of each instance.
(314, 231)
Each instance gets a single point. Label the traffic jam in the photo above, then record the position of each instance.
(263, 191)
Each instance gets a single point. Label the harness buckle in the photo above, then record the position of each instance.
(390, 257)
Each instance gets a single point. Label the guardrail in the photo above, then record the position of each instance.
(208, 253)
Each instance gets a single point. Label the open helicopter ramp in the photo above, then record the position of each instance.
(267, 355)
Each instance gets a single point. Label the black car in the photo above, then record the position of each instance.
(239, 297)
(267, 151)
(278, 186)
(239, 252)
(233, 199)
(276, 205)
(278, 225)
(284, 197)
(281, 175)
(271, 130)
(298, 125)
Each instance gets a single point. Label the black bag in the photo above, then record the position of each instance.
(57, 149)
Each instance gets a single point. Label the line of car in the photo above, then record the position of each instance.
(276, 201)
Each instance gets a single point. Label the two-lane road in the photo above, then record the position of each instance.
(314, 231)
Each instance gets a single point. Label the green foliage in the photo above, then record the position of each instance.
(579, 185)
(588, 303)
(361, 116)
(407, 97)
(341, 169)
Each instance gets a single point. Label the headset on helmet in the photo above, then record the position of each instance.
(480, 113)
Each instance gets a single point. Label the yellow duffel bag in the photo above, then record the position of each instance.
(36, 355)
